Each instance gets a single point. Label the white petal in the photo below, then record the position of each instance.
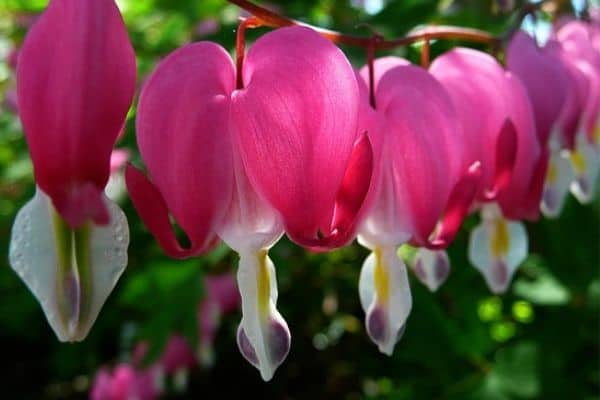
(251, 223)
(263, 335)
(70, 273)
(586, 163)
(385, 297)
(431, 267)
(558, 179)
(385, 223)
(496, 248)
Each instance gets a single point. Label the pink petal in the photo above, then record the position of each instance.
(295, 121)
(540, 74)
(476, 81)
(425, 144)
(506, 156)
(76, 79)
(183, 136)
(381, 66)
(529, 152)
(459, 204)
(577, 94)
(177, 354)
(152, 209)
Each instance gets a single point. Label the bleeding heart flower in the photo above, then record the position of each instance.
(125, 383)
(419, 179)
(504, 139)
(245, 163)
(432, 267)
(75, 81)
(578, 41)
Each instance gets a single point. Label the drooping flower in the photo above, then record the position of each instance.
(432, 267)
(504, 139)
(75, 81)
(125, 383)
(578, 43)
(245, 163)
(419, 179)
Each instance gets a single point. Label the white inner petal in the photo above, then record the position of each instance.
(71, 293)
(558, 179)
(586, 164)
(263, 336)
(431, 267)
(385, 297)
(496, 248)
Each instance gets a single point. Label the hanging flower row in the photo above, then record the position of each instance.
(291, 139)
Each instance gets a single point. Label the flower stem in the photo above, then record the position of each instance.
(274, 20)
(240, 46)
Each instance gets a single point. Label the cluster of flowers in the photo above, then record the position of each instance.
(135, 380)
(294, 140)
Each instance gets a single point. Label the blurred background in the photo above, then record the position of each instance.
(539, 340)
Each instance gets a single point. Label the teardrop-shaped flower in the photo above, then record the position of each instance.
(296, 123)
(504, 138)
(245, 163)
(420, 179)
(75, 81)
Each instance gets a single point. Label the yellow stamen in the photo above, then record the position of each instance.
(578, 161)
(500, 238)
(552, 176)
(263, 284)
(381, 277)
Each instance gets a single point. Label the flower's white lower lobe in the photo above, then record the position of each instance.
(70, 272)
(431, 267)
(558, 180)
(385, 296)
(497, 247)
(263, 335)
(585, 159)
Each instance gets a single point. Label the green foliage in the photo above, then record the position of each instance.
(539, 341)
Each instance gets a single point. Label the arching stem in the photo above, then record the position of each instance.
(240, 46)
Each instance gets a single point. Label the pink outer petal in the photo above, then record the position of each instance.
(540, 74)
(506, 156)
(177, 354)
(529, 153)
(424, 143)
(381, 66)
(183, 136)
(295, 121)
(475, 81)
(101, 386)
(576, 97)
(577, 38)
(531, 205)
(591, 111)
(459, 203)
(75, 81)
(152, 209)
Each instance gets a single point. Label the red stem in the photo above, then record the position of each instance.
(425, 54)
(240, 46)
(371, 66)
(274, 20)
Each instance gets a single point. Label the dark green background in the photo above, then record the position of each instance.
(538, 341)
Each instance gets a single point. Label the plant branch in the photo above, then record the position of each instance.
(274, 20)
